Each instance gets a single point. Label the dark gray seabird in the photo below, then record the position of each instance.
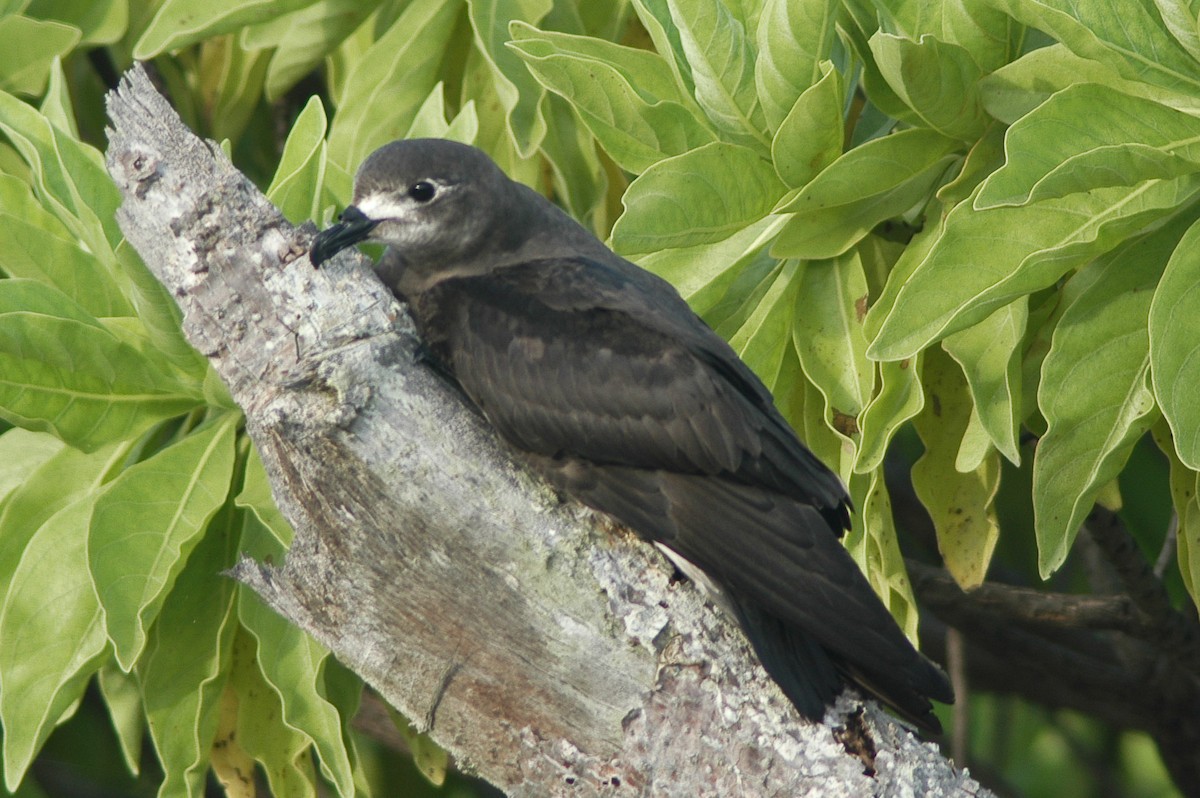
(609, 384)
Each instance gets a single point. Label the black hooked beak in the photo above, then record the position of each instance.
(353, 227)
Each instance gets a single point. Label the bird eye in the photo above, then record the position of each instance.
(422, 191)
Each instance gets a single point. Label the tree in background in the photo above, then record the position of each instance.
(957, 245)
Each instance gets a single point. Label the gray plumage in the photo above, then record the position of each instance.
(622, 397)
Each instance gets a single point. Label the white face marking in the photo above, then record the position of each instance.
(382, 206)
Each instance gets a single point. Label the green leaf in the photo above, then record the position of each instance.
(293, 664)
(56, 103)
(35, 245)
(70, 376)
(297, 187)
(48, 487)
(519, 93)
(1089, 136)
(255, 496)
(387, 85)
(1180, 17)
(699, 197)
(1175, 346)
(123, 699)
(960, 504)
(231, 82)
(1185, 498)
(179, 23)
(302, 39)
(872, 183)
(430, 758)
(990, 355)
(1129, 37)
(1017, 88)
(721, 58)
(810, 137)
(765, 336)
(655, 17)
(53, 636)
(21, 453)
(68, 175)
(185, 667)
(1095, 391)
(430, 121)
(872, 542)
(626, 97)
(793, 39)
(828, 335)
(1011, 252)
(936, 80)
(579, 177)
(899, 398)
(257, 731)
(702, 273)
(31, 45)
(147, 522)
(101, 23)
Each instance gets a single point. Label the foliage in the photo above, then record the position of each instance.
(977, 221)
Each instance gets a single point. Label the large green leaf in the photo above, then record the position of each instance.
(179, 23)
(983, 260)
(69, 375)
(793, 38)
(53, 636)
(48, 487)
(764, 336)
(291, 662)
(960, 504)
(1128, 37)
(297, 188)
(810, 137)
(1095, 391)
(100, 23)
(35, 245)
(699, 197)
(655, 16)
(31, 45)
(1175, 346)
(936, 80)
(828, 335)
(68, 175)
(185, 666)
(626, 97)
(899, 398)
(871, 183)
(251, 726)
(1089, 136)
(873, 544)
(146, 524)
(519, 93)
(301, 40)
(721, 57)
(705, 274)
(389, 82)
(990, 355)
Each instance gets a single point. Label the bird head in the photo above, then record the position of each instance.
(434, 202)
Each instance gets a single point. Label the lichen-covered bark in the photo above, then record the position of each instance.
(549, 651)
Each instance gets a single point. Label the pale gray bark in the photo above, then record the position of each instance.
(543, 647)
